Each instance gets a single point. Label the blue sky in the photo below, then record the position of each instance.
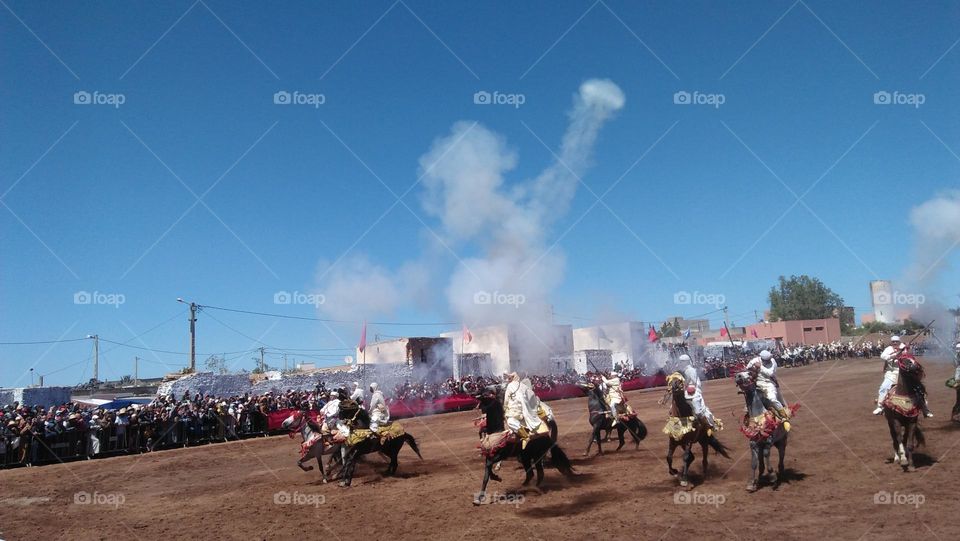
(99, 198)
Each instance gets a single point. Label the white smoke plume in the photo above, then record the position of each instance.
(506, 226)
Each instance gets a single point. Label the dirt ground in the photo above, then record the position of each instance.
(837, 463)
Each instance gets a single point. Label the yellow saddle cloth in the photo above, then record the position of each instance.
(678, 427)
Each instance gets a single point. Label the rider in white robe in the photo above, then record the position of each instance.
(891, 370)
(519, 411)
(330, 414)
(692, 381)
(766, 370)
(379, 412)
(613, 394)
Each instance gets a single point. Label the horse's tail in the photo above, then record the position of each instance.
(720, 448)
(412, 442)
(918, 438)
(640, 430)
(560, 460)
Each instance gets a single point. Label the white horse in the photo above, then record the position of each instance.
(313, 445)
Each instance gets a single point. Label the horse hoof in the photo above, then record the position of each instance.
(495, 477)
(683, 483)
(752, 487)
(344, 484)
(478, 501)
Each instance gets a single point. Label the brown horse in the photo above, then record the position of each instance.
(684, 430)
(903, 412)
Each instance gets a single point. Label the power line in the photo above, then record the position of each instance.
(304, 318)
(41, 342)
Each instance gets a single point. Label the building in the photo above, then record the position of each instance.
(417, 352)
(517, 348)
(881, 298)
(803, 331)
(625, 341)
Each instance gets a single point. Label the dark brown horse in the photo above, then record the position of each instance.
(903, 411)
(684, 430)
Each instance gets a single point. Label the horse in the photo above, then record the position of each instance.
(313, 444)
(764, 430)
(362, 441)
(600, 420)
(500, 444)
(684, 430)
(902, 411)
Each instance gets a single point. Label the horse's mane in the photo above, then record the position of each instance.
(493, 409)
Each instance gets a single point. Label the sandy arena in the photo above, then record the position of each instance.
(837, 462)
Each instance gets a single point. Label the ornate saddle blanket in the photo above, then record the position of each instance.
(492, 443)
(307, 446)
(902, 404)
(678, 427)
(390, 430)
(764, 425)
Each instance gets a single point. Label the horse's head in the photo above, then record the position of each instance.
(293, 421)
(744, 381)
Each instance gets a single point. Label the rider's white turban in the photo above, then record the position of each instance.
(894, 338)
(685, 358)
(958, 345)
(765, 355)
(373, 387)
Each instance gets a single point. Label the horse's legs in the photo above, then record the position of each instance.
(349, 463)
(539, 465)
(527, 466)
(620, 428)
(754, 464)
(687, 460)
(894, 437)
(706, 452)
(766, 457)
(908, 447)
(782, 451)
(392, 454)
(670, 450)
(479, 497)
(594, 437)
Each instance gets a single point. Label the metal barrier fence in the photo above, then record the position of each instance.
(97, 442)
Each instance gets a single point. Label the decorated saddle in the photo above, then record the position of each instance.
(902, 404)
(764, 425)
(492, 443)
(678, 427)
(386, 433)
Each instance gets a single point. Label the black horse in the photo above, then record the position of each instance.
(903, 409)
(530, 457)
(600, 420)
(358, 419)
(695, 431)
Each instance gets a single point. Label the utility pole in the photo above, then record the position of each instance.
(96, 356)
(262, 366)
(726, 317)
(194, 307)
(136, 379)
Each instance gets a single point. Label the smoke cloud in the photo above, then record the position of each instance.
(505, 227)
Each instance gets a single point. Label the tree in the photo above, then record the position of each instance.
(803, 297)
(217, 364)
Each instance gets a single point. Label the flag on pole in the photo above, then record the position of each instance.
(723, 331)
(652, 335)
(467, 335)
(754, 333)
(363, 338)
(686, 334)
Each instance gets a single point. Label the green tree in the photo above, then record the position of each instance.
(803, 297)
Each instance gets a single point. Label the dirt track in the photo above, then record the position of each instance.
(836, 462)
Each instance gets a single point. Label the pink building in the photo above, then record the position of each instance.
(803, 331)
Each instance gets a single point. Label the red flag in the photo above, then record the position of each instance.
(467, 335)
(363, 338)
(723, 331)
(754, 333)
(652, 335)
